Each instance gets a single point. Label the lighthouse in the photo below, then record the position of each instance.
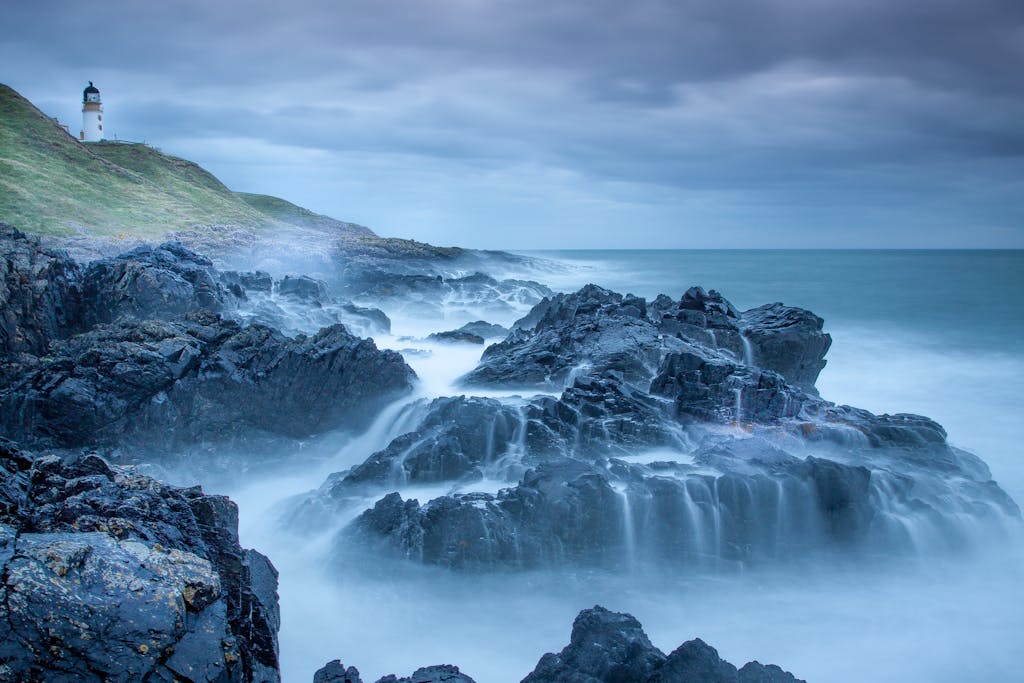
(92, 115)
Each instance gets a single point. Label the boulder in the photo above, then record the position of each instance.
(440, 673)
(605, 647)
(110, 575)
(336, 672)
(611, 647)
(456, 336)
(788, 341)
(152, 283)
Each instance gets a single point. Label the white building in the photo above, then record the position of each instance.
(92, 115)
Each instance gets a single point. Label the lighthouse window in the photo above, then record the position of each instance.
(100, 117)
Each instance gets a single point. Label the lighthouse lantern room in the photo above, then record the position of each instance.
(92, 115)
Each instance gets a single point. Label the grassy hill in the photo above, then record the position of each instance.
(52, 184)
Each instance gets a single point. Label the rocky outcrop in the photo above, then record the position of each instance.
(456, 337)
(40, 297)
(605, 647)
(441, 673)
(788, 341)
(611, 647)
(113, 576)
(598, 331)
(152, 283)
(200, 378)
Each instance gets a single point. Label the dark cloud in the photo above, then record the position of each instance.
(806, 118)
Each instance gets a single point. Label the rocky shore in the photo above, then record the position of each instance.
(156, 356)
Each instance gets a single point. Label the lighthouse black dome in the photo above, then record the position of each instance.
(90, 90)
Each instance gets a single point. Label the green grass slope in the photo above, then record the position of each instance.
(286, 212)
(52, 184)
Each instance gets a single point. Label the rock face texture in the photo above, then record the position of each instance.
(134, 351)
(755, 468)
(611, 647)
(199, 378)
(146, 283)
(112, 576)
(39, 294)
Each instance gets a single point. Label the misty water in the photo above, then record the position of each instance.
(935, 333)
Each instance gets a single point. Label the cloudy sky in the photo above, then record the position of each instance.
(570, 123)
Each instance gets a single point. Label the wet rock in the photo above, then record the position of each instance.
(40, 293)
(485, 329)
(249, 281)
(593, 330)
(456, 336)
(442, 673)
(604, 646)
(336, 672)
(110, 575)
(152, 283)
(611, 647)
(788, 341)
(303, 287)
(166, 385)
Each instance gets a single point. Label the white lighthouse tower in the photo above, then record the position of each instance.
(92, 115)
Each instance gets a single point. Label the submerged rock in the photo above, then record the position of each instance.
(439, 673)
(456, 336)
(114, 576)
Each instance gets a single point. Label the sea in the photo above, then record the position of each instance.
(938, 333)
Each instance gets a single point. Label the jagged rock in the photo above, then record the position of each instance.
(165, 385)
(788, 341)
(611, 647)
(335, 672)
(114, 576)
(441, 673)
(707, 386)
(152, 283)
(456, 336)
(594, 329)
(605, 647)
(40, 297)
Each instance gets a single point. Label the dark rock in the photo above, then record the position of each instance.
(152, 283)
(593, 330)
(456, 336)
(303, 288)
(250, 281)
(611, 647)
(40, 297)
(695, 660)
(165, 385)
(788, 341)
(110, 575)
(442, 673)
(605, 647)
(335, 672)
(485, 329)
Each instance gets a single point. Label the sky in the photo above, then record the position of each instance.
(531, 124)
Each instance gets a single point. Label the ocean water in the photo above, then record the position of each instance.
(937, 333)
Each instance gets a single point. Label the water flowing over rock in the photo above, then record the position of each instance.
(611, 647)
(169, 372)
(113, 576)
(756, 469)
